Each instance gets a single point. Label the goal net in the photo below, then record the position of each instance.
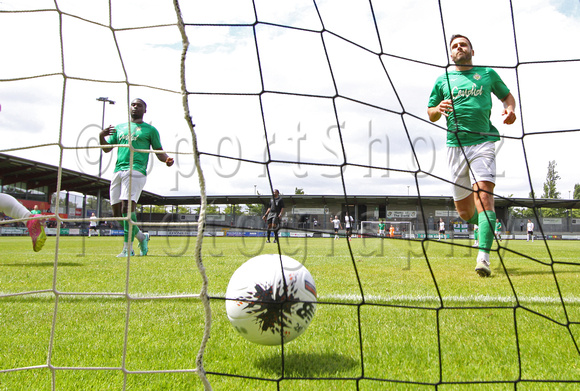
(327, 97)
(401, 229)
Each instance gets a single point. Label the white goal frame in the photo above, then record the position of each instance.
(403, 229)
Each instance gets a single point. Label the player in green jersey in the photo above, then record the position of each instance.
(128, 184)
(463, 97)
(382, 228)
(498, 228)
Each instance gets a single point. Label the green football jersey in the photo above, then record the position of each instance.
(144, 136)
(470, 91)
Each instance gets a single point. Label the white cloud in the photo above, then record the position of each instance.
(546, 31)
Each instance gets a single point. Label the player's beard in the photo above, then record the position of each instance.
(136, 117)
(462, 58)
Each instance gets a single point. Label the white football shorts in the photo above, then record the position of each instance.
(119, 190)
(470, 164)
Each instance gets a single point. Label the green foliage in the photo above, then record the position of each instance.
(554, 212)
(550, 186)
(298, 190)
(209, 210)
(521, 213)
(183, 209)
(577, 191)
(237, 209)
(255, 209)
(154, 209)
(233, 209)
(528, 213)
(551, 191)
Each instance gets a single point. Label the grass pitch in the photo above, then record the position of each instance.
(392, 314)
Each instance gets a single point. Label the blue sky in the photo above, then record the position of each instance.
(325, 96)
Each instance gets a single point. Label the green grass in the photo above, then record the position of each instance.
(396, 315)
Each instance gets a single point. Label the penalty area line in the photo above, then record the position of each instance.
(322, 298)
(453, 299)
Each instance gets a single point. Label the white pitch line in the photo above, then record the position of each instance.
(452, 299)
(350, 299)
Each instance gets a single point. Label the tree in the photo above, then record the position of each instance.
(552, 177)
(576, 196)
(577, 191)
(233, 209)
(520, 212)
(210, 210)
(92, 202)
(298, 190)
(551, 192)
(154, 209)
(255, 209)
(62, 202)
(183, 209)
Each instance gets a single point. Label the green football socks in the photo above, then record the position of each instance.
(135, 229)
(486, 221)
(474, 219)
(125, 229)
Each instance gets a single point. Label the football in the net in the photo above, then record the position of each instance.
(269, 307)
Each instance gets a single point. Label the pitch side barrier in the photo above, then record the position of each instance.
(22, 231)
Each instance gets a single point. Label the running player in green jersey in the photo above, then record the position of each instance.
(475, 235)
(128, 184)
(498, 228)
(463, 96)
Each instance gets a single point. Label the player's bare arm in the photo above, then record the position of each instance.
(163, 157)
(443, 108)
(509, 104)
(105, 133)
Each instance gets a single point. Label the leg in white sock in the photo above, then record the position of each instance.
(11, 207)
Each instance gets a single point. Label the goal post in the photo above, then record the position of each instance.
(402, 229)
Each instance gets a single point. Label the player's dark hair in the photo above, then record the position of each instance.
(454, 36)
